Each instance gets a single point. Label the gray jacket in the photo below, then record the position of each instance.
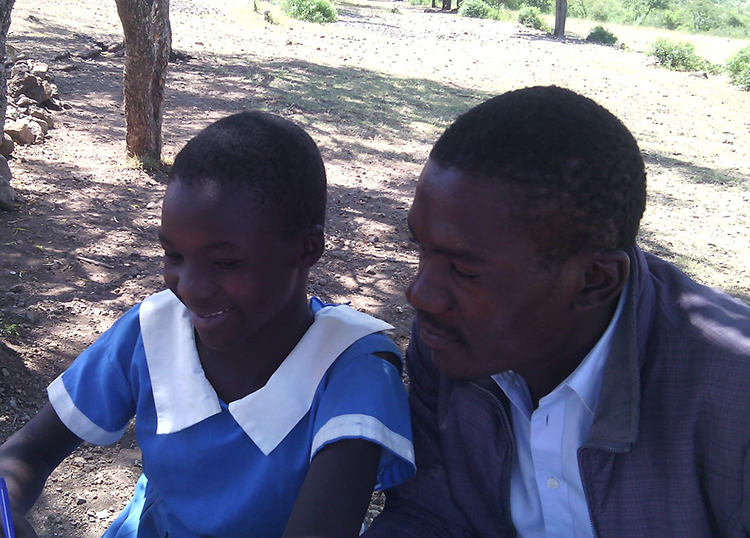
(668, 454)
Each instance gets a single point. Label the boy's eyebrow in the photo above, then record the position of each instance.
(455, 253)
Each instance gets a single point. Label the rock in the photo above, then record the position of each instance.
(24, 101)
(18, 288)
(53, 104)
(42, 125)
(39, 70)
(7, 195)
(43, 115)
(12, 54)
(20, 131)
(7, 145)
(88, 53)
(151, 205)
(22, 82)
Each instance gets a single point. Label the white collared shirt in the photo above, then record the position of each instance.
(547, 498)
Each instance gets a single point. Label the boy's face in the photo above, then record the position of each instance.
(228, 264)
(483, 298)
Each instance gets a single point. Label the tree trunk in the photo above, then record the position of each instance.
(446, 5)
(561, 13)
(148, 44)
(6, 6)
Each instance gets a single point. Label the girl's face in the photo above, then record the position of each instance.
(228, 264)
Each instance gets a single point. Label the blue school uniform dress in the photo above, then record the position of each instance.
(232, 470)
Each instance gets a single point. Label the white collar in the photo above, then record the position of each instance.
(183, 396)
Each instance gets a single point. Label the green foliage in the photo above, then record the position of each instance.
(738, 68)
(545, 6)
(502, 13)
(318, 11)
(420, 2)
(677, 56)
(479, 9)
(670, 20)
(532, 17)
(475, 9)
(703, 15)
(599, 34)
(9, 330)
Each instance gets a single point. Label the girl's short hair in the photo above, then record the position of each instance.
(274, 159)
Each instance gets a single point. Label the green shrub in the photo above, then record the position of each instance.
(670, 20)
(599, 34)
(577, 9)
(738, 67)
(677, 56)
(532, 17)
(545, 6)
(310, 10)
(502, 13)
(476, 9)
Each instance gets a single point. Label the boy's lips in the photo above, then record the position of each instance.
(435, 336)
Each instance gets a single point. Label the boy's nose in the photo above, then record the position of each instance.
(426, 292)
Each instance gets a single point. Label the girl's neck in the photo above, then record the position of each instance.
(235, 373)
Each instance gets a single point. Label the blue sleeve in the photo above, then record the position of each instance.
(95, 397)
(364, 398)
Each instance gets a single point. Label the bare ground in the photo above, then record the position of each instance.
(374, 90)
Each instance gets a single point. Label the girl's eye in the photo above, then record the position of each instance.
(172, 257)
(227, 264)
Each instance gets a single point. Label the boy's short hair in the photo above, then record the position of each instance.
(273, 158)
(575, 172)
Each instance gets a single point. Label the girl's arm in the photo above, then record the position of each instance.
(29, 456)
(336, 492)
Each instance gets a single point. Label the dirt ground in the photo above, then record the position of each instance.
(374, 90)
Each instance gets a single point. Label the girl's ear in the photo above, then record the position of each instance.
(313, 245)
(604, 279)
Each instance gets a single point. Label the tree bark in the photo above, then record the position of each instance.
(148, 44)
(446, 5)
(561, 13)
(6, 6)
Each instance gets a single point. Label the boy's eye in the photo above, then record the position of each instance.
(172, 257)
(227, 264)
(463, 274)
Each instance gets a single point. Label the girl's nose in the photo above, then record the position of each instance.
(195, 284)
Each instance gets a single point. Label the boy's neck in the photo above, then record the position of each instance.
(235, 373)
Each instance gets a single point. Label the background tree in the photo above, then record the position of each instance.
(148, 44)
(561, 13)
(5, 8)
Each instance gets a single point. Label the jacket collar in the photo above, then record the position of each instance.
(615, 426)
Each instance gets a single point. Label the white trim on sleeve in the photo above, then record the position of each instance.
(75, 420)
(365, 427)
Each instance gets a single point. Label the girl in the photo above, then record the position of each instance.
(259, 413)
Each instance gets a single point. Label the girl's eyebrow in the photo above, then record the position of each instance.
(227, 245)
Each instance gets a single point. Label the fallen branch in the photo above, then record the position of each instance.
(95, 262)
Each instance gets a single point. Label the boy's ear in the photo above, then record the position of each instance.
(313, 245)
(604, 279)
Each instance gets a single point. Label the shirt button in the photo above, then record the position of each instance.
(552, 483)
